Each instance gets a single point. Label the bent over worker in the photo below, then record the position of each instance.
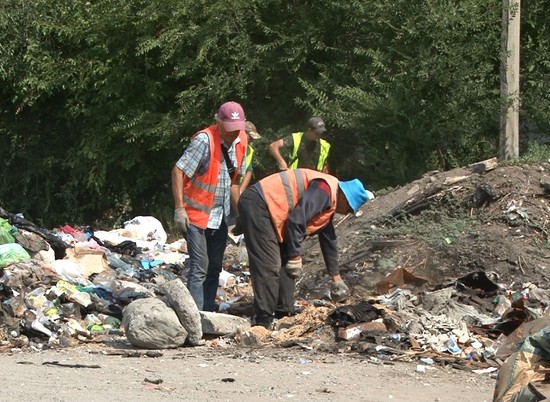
(276, 215)
(205, 187)
(303, 149)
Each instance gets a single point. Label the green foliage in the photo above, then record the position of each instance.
(412, 89)
(99, 99)
(535, 66)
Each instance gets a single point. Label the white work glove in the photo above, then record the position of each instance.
(181, 219)
(339, 291)
(293, 268)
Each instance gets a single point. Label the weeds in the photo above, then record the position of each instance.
(536, 153)
(435, 227)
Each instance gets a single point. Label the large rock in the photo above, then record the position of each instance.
(151, 324)
(222, 324)
(179, 298)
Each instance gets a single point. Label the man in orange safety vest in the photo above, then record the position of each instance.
(276, 214)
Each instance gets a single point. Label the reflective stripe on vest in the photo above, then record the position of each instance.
(198, 191)
(323, 153)
(283, 190)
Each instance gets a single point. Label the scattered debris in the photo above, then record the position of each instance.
(462, 287)
(71, 365)
(228, 379)
(153, 381)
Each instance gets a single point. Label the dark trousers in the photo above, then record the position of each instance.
(273, 289)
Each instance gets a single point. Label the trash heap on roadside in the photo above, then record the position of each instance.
(71, 285)
(78, 288)
(469, 323)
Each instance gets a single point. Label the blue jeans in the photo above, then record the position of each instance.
(206, 248)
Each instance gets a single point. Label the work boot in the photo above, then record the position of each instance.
(263, 320)
(281, 314)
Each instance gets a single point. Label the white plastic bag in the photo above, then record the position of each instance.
(70, 271)
(146, 228)
(226, 279)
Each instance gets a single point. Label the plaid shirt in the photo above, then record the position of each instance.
(196, 159)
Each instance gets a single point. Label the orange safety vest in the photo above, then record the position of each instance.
(198, 191)
(283, 190)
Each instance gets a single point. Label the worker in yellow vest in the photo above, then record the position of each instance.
(251, 134)
(303, 149)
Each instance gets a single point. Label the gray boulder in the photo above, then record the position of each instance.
(151, 324)
(222, 324)
(179, 298)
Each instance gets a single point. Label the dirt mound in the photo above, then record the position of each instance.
(446, 225)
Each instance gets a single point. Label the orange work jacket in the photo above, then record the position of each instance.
(198, 191)
(283, 190)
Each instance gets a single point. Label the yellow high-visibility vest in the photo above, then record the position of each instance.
(325, 147)
(249, 153)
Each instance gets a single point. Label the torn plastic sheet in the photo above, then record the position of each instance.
(478, 281)
(350, 314)
(398, 299)
(440, 302)
(521, 372)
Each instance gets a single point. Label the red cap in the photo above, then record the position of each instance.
(231, 114)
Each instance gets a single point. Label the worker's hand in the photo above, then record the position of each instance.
(181, 219)
(238, 228)
(283, 166)
(293, 268)
(339, 291)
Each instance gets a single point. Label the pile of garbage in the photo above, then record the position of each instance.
(71, 285)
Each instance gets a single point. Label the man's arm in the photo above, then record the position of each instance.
(177, 186)
(329, 248)
(235, 189)
(234, 194)
(275, 151)
(246, 180)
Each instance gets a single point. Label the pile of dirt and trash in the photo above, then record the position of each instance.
(451, 269)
